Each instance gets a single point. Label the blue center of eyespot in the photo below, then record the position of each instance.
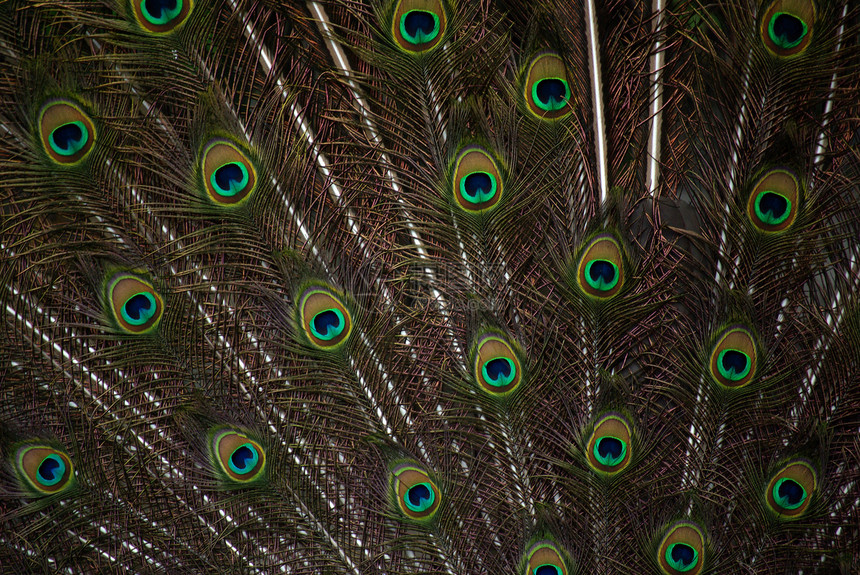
(601, 270)
(69, 138)
(681, 557)
(789, 494)
(499, 371)
(328, 324)
(546, 569)
(51, 470)
(734, 364)
(478, 187)
(609, 450)
(139, 308)
(786, 30)
(419, 26)
(244, 458)
(160, 11)
(551, 94)
(601, 274)
(420, 497)
(230, 179)
(772, 208)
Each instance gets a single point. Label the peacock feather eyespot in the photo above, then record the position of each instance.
(734, 358)
(44, 470)
(477, 181)
(543, 558)
(324, 318)
(547, 88)
(773, 203)
(239, 458)
(498, 370)
(600, 272)
(418, 26)
(682, 550)
(134, 303)
(416, 494)
(609, 448)
(786, 28)
(161, 16)
(229, 176)
(66, 131)
(789, 490)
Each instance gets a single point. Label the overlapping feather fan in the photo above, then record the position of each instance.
(427, 286)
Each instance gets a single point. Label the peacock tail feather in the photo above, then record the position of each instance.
(430, 286)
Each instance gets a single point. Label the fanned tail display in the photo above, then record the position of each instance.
(430, 286)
